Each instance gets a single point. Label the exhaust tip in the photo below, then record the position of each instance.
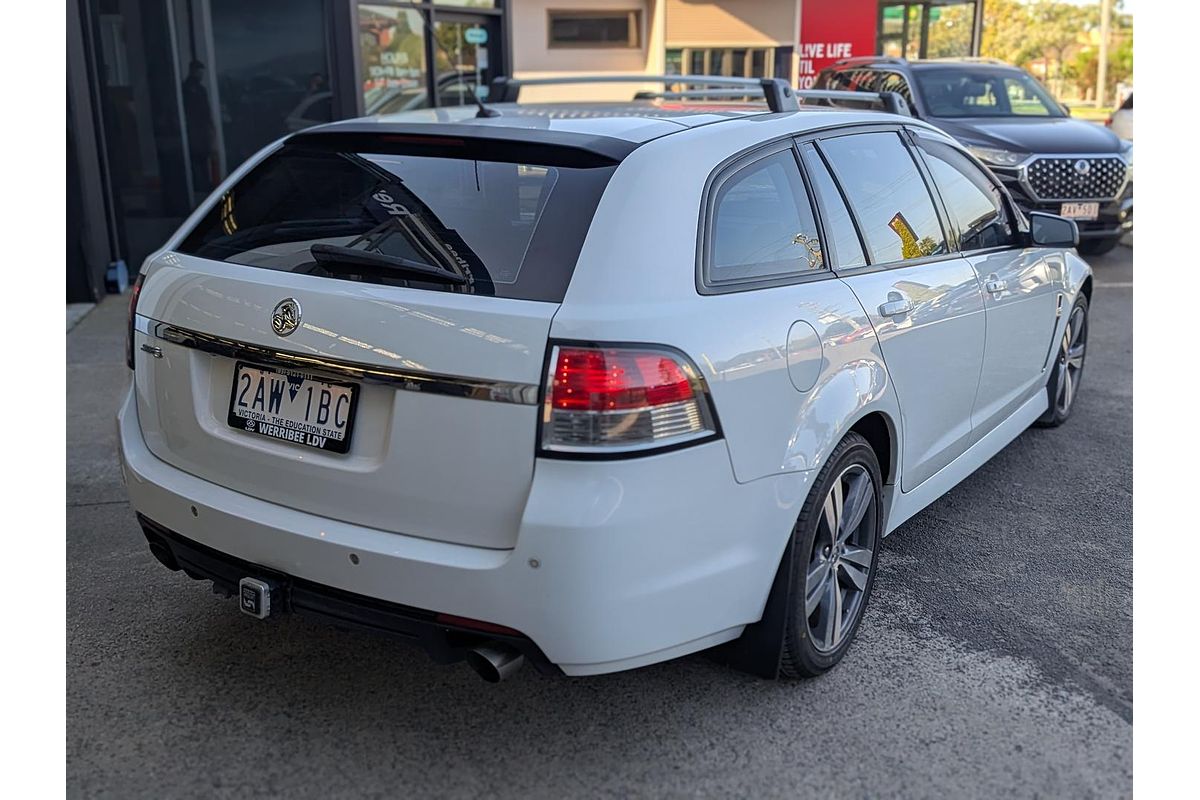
(495, 662)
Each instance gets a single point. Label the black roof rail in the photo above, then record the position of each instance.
(779, 94)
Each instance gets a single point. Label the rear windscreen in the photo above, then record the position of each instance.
(505, 228)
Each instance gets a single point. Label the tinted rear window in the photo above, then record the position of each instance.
(511, 228)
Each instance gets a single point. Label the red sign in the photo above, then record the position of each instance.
(832, 30)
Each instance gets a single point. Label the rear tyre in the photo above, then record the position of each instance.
(1097, 247)
(835, 550)
(1067, 369)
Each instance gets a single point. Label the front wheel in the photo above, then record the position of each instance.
(835, 550)
(1063, 386)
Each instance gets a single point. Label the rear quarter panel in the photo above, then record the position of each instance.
(636, 282)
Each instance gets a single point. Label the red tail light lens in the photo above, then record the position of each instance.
(616, 399)
(133, 300)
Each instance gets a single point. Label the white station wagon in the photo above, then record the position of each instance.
(589, 386)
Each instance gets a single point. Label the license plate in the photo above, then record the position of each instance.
(292, 406)
(1080, 210)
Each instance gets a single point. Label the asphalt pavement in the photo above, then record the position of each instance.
(995, 658)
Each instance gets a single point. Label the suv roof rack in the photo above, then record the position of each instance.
(779, 94)
(891, 102)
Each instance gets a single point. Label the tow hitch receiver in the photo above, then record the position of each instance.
(254, 597)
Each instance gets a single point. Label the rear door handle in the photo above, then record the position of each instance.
(894, 308)
(996, 286)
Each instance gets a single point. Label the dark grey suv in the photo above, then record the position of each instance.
(1049, 161)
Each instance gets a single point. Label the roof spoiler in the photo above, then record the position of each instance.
(779, 94)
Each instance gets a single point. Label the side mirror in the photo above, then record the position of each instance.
(1066, 109)
(1051, 230)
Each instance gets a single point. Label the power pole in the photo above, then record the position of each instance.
(1102, 60)
(977, 30)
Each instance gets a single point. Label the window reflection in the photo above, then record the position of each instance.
(973, 201)
(508, 229)
(392, 43)
(888, 195)
(839, 226)
(763, 225)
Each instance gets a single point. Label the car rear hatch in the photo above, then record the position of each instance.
(388, 296)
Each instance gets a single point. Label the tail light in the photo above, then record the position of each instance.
(1108, 122)
(133, 298)
(623, 399)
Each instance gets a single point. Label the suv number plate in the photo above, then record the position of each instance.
(292, 406)
(1080, 210)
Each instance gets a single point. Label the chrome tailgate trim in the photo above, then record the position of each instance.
(404, 380)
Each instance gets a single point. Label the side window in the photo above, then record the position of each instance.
(761, 225)
(840, 232)
(888, 195)
(973, 201)
(895, 82)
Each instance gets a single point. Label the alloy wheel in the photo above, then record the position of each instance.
(1070, 360)
(841, 559)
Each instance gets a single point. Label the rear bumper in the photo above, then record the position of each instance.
(637, 561)
(445, 643)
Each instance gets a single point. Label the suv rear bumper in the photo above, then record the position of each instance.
(630, 570)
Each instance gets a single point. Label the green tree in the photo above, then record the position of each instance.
(1044, 30)
(1005, 23)
(1085, 67)
(950, 31)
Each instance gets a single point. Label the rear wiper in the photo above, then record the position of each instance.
(348, 260)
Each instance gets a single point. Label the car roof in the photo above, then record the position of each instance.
(631, 122)
(917, 65)
(976, 66)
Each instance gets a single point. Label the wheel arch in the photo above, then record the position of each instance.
(759, 650)
(880, 431)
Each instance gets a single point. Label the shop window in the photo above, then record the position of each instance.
(392, 44)
(673, 64)
(588, 29)
(739, 62)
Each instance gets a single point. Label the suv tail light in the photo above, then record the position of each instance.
(622, 399)
(133, 298)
